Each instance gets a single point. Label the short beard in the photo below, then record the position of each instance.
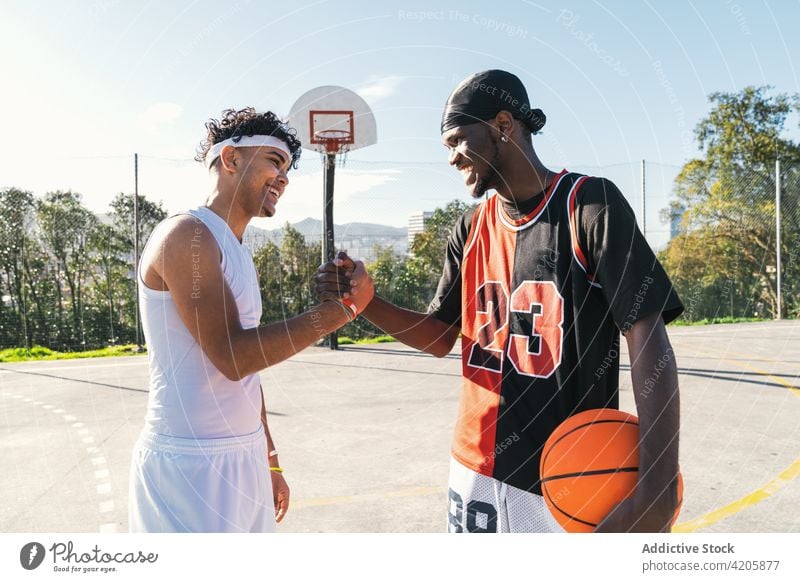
(487, 182)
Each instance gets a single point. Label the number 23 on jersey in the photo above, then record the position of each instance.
(526, 327)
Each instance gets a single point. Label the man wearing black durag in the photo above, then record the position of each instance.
(539, 280)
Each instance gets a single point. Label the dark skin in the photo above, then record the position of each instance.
(512, 168)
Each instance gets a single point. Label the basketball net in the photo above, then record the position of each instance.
(336, 142)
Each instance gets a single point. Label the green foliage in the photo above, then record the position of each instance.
(380, 339)
(42, 353)
(723, 262)
(429, 248)
(718, 320)
(286, 275)
(22, 354)
(122, 215)
(16, 208)
(66, 278)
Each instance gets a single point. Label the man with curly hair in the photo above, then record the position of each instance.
(205, 461)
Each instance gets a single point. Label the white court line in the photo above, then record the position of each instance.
(104, 487)
(84, 367)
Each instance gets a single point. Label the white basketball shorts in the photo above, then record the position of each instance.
(480, 504)
(205, 485)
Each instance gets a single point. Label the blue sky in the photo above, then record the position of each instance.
(89, 83)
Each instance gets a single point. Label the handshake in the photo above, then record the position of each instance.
(347, 282)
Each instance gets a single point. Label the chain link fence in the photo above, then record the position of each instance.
(67, 277)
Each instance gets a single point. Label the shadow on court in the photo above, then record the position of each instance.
(364, 435)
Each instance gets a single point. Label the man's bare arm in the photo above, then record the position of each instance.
(280, 489)
(188, 261)
(271, 450)
(654, 375)
(419, 330)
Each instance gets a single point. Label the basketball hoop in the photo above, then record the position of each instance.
(336, 140)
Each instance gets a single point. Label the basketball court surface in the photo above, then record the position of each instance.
(364, 435)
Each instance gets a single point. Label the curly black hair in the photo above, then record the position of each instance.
(236, 124)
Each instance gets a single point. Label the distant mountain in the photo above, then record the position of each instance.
(311, 228)
(359, 238)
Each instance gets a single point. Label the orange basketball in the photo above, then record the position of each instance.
(589, 464)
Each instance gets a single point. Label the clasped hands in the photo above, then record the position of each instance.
(344, 280)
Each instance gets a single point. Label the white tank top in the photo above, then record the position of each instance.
(189, 397)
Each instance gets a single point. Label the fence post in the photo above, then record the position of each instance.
(779, 313)
(644, 206)
(136, 245)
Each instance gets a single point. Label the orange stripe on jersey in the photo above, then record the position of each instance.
(473, 227)
(572, 202)
(533, 213)
(486, 276)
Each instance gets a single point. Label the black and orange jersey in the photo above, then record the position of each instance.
(541, 298)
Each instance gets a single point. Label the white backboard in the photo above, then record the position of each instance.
(309, 115)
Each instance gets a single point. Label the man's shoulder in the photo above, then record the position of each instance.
(598, 190)
(468, 215)
(461, 228)
(183, 233)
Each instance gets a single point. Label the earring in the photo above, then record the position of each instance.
(503, 138)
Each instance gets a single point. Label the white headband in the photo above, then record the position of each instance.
(247, 141)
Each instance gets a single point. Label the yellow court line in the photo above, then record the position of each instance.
(701, 522)
(794, 389)
(758, 495)
(748, 500)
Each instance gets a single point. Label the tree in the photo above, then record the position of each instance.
(300, 261)
(16, 208)
(66, 279)
(150, 214)
(424, 268)
(122, 221)
(726, 204)
(286, 275)
(112, 287)
(267, 260)
(65, 228)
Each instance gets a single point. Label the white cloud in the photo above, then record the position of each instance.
(377, 88)
(158, 115)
